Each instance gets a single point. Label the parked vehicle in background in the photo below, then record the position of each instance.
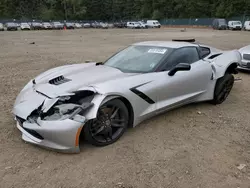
(78, 25)
(103, 25)
(245, 55)
(220, 24)
(11, 26)
(47, 25)
(57, 25)
(1, 27)
(120, 24)
(153, 24)
(234, 25)
(143, 25)
(36, 26)
(86, 25)
(25, 26)
(133, 25)
(246, 26)
(95, 25)
(110, 25)
(69, 25)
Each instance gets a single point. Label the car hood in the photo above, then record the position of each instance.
(245, 49)
(67, 79)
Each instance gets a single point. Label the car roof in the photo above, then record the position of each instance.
(169, 44)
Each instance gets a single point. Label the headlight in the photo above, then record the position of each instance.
(68, 111)
(64, 98)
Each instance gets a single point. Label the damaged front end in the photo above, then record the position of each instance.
(65, 107)
(54, 123)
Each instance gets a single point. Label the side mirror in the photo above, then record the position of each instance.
(179, 67)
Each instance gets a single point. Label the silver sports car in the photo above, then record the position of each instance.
(245, 54)
(101, 100)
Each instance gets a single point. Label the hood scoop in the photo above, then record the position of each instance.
(59, 80)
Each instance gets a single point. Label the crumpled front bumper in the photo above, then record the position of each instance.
(244, 64)
(62, 135)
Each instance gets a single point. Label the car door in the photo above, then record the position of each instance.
(184, 86)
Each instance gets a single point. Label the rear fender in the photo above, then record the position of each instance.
(221, 64)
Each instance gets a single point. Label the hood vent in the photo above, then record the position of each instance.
(59, 80)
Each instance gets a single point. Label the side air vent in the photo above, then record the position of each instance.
(214, 56)
(59, 80)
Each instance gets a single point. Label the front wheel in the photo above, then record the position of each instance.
(110, 124)
(223, 87)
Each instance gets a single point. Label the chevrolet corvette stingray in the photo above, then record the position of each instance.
(100, 100)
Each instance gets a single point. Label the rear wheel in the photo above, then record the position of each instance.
(223, 87)
(110, 124)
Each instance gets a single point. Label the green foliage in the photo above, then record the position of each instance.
(121, 9)
(157, 15)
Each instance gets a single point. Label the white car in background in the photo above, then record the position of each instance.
(47, 25)
(78, 25)
(25, 26)
(245, 61)
(246, 26)
(133, 25)
(86, 25)
(104, 25)
(153, 24)
(143, 25)
(234, 25)
(1, 27)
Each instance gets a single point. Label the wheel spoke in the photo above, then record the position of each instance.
(108, 135)
(117, 125)
(114, 113)
(98, 131)
(117, 120)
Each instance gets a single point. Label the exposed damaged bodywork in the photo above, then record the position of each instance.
(40, 125)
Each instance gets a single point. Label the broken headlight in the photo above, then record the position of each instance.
(70, 107)
(68, 111)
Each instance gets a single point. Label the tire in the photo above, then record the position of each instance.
(97, 131)
(223, 87)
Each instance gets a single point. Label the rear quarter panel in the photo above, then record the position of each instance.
(222, 62)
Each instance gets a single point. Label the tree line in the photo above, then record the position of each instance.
(121, 9)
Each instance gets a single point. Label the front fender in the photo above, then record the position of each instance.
(98, 100)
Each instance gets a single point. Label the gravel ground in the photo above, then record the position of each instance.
(199, 145)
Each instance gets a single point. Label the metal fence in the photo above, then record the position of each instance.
(199, 21)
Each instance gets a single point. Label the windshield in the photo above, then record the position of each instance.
(11, 24)
(222, 21)
(35, 23)
(138, 58)
(24, 24)
(237, 22)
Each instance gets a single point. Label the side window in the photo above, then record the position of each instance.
(204, 52)
(183, 55)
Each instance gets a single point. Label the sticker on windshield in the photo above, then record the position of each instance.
(157, 50)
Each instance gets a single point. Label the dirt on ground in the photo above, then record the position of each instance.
(196, 146)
